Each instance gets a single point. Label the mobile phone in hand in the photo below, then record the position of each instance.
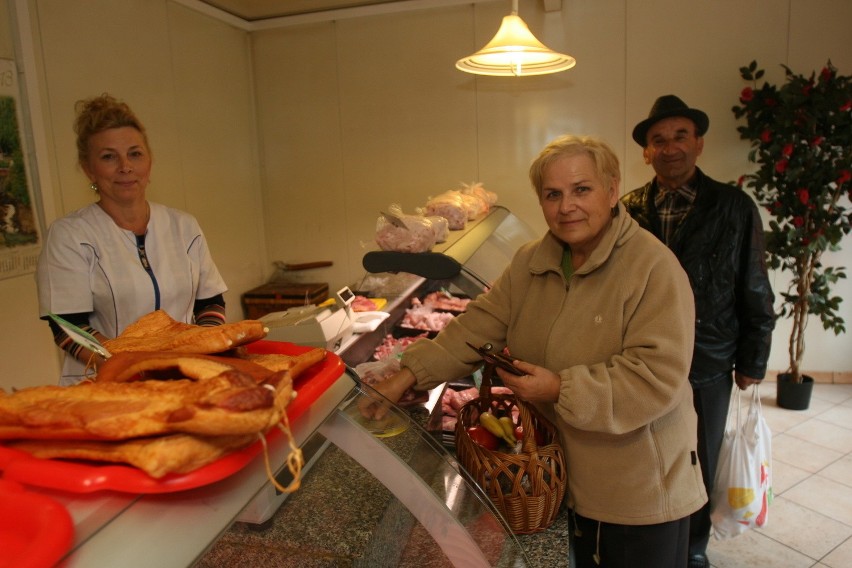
(497, 359)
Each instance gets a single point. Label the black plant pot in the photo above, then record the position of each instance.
(792, 395)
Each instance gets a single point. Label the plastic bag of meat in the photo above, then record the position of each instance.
(441, 227)
(404, 233)
(479, 190)
(439, 224)
(374, 372)
(449, 205)
(474, 205)
(487, 198)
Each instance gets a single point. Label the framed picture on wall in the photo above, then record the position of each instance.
(20, 234)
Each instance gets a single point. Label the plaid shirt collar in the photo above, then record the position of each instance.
(686, 193)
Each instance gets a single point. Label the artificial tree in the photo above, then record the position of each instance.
(801, 140)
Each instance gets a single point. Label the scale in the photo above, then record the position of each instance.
(327, 325)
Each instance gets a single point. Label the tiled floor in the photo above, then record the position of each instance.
(810, 520)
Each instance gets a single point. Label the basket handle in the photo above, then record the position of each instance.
(485, 387)
(528, 443)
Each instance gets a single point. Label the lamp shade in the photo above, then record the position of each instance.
(514, 50)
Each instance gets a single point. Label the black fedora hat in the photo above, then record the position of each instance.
(668, 106)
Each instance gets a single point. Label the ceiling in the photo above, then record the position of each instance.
(257, 10)
(258, 14)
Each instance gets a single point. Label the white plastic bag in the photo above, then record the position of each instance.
(742, 490)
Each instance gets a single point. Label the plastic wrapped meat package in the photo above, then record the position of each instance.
(449, 205)
(441, 227)
(487, 198)
(459, 206)
(404, 233)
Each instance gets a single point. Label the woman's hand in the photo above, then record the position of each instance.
(537, 385)
(392, 389)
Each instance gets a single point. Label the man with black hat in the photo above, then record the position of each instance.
(715, 231)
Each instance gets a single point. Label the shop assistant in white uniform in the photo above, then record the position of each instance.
(106, 265)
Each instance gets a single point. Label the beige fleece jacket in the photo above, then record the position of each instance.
(619, 333)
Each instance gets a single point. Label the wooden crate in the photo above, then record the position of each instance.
(279, 296)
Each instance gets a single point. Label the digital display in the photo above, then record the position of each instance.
(345, 295)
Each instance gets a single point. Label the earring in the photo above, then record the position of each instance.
(94, 187)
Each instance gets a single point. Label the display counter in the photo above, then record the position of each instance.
(377, 494)
(344, 515)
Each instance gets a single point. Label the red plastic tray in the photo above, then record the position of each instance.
(35, 530)
(86, 477)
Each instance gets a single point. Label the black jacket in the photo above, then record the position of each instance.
(720, 245)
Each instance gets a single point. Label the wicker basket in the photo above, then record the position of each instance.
(527, 488)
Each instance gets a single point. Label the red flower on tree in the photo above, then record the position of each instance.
(845, 175)
(781, 166)
(747, 94)
(798, 221)
(766, 137)
(803, 195)
(787, 150)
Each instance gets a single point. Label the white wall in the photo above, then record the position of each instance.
(286, 142)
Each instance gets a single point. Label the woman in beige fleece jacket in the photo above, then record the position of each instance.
(600, 316)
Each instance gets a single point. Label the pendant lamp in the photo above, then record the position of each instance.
(514, 50)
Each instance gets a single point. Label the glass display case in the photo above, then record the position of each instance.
(382, 494)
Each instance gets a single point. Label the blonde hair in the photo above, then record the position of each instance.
(602, 155)
(102, 113)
